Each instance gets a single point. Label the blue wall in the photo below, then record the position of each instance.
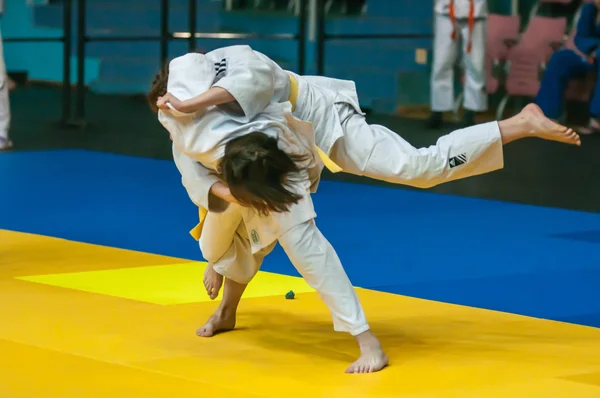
(42, 61)
(385, 70)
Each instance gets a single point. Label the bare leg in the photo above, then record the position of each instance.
(224, 317)
(372, 358)
(213, 281)
(531, 122)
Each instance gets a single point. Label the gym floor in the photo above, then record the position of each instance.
(485, 287)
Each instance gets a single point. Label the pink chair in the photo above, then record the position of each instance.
(503, 30)
(529, 56)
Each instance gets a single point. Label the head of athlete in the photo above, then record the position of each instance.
(158, 88)
(259, 174)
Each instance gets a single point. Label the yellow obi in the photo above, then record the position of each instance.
(330, 164)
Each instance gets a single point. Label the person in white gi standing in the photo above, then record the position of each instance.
(465, 20)
(5, 142)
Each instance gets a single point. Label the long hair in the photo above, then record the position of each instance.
(158, 87)
(259, 174)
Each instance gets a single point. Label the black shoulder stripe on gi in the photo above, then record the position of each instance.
(221, 67)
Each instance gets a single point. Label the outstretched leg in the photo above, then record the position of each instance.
(377, 152)
(318, 263)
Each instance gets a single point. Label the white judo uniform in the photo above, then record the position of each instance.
(235, 241)
(342, 136)
(465, 19)
(4, 104)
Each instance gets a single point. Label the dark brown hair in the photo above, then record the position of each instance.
(259, 174)
(158, 87)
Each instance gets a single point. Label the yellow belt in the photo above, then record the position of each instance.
(330, 164)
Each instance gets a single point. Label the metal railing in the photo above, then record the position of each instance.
(164, 38)
(66, 39)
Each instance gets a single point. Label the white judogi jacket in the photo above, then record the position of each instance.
(262, 90)
(199, 139)
(315, 101)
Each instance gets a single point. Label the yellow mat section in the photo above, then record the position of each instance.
(165, 284)
(68, 343)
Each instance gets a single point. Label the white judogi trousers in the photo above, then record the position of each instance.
(4, 104)
(375, 151)
(445, 51)
(226, 246)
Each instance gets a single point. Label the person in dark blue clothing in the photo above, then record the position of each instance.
(567, 64)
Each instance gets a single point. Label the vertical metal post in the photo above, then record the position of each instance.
(81, 38)
(321, 37)
(164, 32)
(193, 11)
(67, 47)
(302, 17)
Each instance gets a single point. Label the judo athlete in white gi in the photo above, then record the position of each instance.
(5, 82)
(250, 82)
(236, 240)
(467, 20)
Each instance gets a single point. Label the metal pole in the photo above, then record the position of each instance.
(514, 7)
(164, 32)
(301, 36)
(81, 38)
(67, 48)
(321, 37)
(193, 16)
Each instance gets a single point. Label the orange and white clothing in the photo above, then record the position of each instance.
(464, 22)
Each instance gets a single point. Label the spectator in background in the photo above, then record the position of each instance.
(454, 19)
(567, 64)
(5, 82)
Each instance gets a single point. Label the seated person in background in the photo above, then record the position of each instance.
(567, 64)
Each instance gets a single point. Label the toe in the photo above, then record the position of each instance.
(204, 332)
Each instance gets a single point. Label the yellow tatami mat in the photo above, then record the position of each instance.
(80, 320)
(165, 284)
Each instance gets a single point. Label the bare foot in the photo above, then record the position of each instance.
(220, 321)
(369, 362)
(212, 282)
(540, 126)
(372, 358)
